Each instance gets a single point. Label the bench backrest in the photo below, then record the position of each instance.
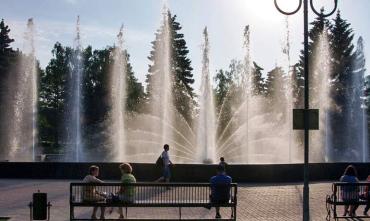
(154, 193)
(344, 192)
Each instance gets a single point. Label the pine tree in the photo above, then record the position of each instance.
(5, 40)
(342, 57)
(180, 68)
(318, 26)
(257, 80)
(342, 53)
(275, 91)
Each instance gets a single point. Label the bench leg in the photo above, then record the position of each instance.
(71, 213)
(180, 212)
(126, 212)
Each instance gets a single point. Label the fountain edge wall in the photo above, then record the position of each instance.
(181, 172)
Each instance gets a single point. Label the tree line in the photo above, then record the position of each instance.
(347, 67)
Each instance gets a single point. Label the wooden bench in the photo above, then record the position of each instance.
(177, 195)
(346, 194)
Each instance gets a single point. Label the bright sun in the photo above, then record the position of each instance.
(265, 9)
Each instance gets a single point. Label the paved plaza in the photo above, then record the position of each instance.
(255, 202)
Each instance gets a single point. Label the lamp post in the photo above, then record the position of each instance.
(306, 207)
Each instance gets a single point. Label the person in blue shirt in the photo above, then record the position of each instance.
(220, 188)
(350, 193)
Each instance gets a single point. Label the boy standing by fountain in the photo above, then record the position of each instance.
(166, 165)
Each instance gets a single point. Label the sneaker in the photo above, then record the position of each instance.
(218, 216)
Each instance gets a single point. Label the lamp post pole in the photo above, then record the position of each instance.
(306, 206)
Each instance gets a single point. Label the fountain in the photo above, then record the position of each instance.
(118, 99)
(320, 98)
(74, 121)
(162, 101)
(21, 137)
(206, 136)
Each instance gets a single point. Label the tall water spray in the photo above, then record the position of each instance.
(289, 87)
(162, 102)
(358, 103)
(247, 88)
(33, 79)
(206, 137)
(320, 98)
(74, 119)
(22, 129)
(118, 99)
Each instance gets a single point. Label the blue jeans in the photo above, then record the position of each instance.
(166, 172)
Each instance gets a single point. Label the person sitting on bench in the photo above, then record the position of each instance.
(220, 189)
(126, 194)
(90, 194)
(350, 193)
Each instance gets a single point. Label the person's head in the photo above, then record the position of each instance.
(220, 169)
(222, 159)
(94, 170)
(350, 171)
(166, 147)
(125, 168)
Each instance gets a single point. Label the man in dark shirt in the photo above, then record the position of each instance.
(220, 188)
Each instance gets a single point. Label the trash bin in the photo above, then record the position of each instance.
(40, 208)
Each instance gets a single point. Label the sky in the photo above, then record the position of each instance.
(55, 20)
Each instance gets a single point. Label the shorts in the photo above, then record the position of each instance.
(166, 172)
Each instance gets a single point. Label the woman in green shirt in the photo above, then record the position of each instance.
(126, 193)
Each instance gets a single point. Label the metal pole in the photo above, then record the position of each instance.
(306, 203)
(306, 191)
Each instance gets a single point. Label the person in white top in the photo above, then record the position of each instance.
(90, 193)
(166, 165)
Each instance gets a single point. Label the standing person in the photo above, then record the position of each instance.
(350, 193)
(166, 165)
(220, 189)
(222, 162)
(89, 193)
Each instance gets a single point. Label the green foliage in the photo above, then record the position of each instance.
(53, 91)
(180, 68)
(258, 81)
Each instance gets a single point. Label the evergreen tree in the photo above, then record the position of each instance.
(275, 92)
(342, 58)
(257, 80)
(318, 26)
(342, 55)
(180, 68)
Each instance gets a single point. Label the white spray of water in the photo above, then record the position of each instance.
(23, 129)
(74, 120)
(118, 99)
(206, 140)
(320, 98)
